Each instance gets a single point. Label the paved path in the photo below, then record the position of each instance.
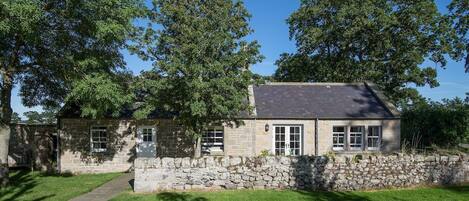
(107, 190)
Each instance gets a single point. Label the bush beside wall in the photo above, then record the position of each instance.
(304, 172)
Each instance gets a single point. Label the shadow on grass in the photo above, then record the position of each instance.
(168, 196)
(21, 183)
(331, 196)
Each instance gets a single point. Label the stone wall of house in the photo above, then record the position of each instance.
(32, 146)
(171, 140)
(75, 148)
(390, 141)
(239, 140)
(304, 172)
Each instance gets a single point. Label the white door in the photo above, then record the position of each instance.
(287, 140)
(146, 142)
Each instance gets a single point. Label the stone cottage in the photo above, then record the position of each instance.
(289, 119)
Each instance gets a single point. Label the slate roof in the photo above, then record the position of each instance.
(320, 100)
(295, 101)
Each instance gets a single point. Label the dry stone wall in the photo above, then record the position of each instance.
(304, 172)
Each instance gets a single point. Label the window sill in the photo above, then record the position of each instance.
(356, 151)
(99, 151)
(213, 153)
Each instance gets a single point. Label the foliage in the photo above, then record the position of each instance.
(445, 124)
(356, 158)
(427, 194)
(27, 185)
(265, 153)
(383, 41)
(459, 17)
(99, 94)
(200, 69)
(48, 116)
(48, 45)
(15, 117)
(331, 155)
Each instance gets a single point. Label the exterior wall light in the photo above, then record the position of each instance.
(266, 127)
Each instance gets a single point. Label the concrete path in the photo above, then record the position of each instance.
(108, 190)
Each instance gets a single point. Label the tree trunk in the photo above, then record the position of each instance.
(198, 147)
(4, 142)
(5, 118)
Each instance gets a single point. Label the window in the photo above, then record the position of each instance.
(98, 139)
(212, 140)
(287, 140)
(147, 134)
(373, 137)
(295, 142)
(338, 137)
(280, 140)
(355, 135)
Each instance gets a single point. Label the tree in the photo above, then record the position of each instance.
(459, 18)
(48, 116)
(200, 70)
(383, 41)
(33, 117)
(15, 117)
(444, 123)
(47, 46)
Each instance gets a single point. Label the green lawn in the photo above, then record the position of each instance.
(26, 185)
(423, 194)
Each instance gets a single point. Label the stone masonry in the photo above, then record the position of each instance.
(304, 172)
(249, 139)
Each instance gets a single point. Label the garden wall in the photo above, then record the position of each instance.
(304, 172)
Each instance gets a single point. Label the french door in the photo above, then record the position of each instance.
(287, 140)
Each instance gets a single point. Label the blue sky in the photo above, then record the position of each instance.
(271, 31)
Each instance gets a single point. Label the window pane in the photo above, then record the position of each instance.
(339, 129)
(212, 139)
(356, 133)
(373, 138)
(356, 129)
(338, 136)
(98, 138)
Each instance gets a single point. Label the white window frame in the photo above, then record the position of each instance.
(380, 130)
(151, 134)
(213, 148)
(336, 134)
(287, 138)
(98, 129)
(353, 134)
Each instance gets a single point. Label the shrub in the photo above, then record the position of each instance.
(265, 153)
(445, 124)
(330, 155)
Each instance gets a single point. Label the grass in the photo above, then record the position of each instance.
(423, 194)
(26, 185)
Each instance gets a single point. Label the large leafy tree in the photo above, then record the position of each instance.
(48, 116)
(15, 118)
(201, 60)
(459, 17)
(48, 46)
(383, 41)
